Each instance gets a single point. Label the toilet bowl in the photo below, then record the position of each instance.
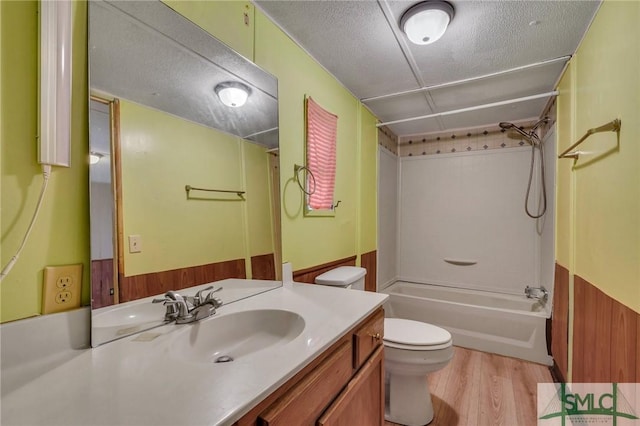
(412, 349)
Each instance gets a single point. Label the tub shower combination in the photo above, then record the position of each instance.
(457, 250)
(460, 253)
(492, 322)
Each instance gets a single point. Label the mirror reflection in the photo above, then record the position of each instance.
(184, 167)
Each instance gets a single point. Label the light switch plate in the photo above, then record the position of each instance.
(62, 288)
(135, 244)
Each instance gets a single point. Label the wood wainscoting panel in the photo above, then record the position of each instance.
(560, 323)
(605, 337)
(579, 313)
(263, 267)
(145, 285)
(600, 371)
(369, 262)
(101, 283)
(308, 275)
(624, 343)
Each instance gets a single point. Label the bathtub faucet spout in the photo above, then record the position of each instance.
(539, 293)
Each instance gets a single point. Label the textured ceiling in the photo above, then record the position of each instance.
(360, 43)
(146, 53)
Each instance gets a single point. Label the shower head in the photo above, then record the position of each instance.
(543, 120)
(510, 126)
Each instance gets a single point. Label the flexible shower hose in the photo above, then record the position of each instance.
(542, 180)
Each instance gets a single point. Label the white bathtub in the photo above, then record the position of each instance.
(499, 323)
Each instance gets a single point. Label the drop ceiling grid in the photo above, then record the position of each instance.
(352, 39)
(356, 42)
(400, 107)
(517, 84)
(490, 36)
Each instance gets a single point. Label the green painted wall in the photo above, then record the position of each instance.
(161, 154)
(223, 19)
(602, 242)
(368, 181)
(309, 241)
(61, 234)
(598, 209)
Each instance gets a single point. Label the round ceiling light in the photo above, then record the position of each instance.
(426, 22)
(232, 93)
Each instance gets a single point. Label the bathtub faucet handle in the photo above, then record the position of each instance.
(539, 293)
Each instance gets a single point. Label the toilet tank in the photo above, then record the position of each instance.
(344, 276)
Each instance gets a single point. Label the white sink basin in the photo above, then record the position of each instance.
(130, 315)
(236, 335)
(112, 323)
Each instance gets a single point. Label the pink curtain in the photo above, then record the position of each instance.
(322, 130)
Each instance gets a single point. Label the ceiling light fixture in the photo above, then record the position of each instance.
(232, 93)
(426, 22)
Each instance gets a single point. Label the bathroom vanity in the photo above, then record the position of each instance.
(344, 385)
(304, 354)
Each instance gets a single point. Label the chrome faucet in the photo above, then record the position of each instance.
(187, 309)
(196, 300)
(539, 293)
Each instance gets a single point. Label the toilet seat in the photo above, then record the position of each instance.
(414, 335)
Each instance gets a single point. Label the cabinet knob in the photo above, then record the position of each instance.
(376, 336)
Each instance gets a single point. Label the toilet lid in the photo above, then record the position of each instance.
(341, 276)
(416, 333)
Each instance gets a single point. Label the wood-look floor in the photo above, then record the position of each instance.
(483, 389)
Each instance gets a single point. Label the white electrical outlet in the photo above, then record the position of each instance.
(135, 244)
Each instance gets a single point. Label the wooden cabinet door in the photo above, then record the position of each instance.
(362, 401)
(367, 338)
(303, 403)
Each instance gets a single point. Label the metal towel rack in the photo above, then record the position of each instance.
(613, 126)
(189, 188)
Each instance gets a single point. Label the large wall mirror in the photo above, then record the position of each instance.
(184, 175)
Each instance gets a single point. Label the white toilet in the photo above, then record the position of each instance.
(412, 349)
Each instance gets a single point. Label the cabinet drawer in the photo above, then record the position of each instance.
(367, 338)
(306, 400)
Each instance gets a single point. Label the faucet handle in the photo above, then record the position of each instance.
(176, 308)
(198, 296)
(173, 295)
(216, 302)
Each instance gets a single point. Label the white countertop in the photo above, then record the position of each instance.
(233, 290)
(133, 382)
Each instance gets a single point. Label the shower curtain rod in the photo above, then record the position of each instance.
(473, 108)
